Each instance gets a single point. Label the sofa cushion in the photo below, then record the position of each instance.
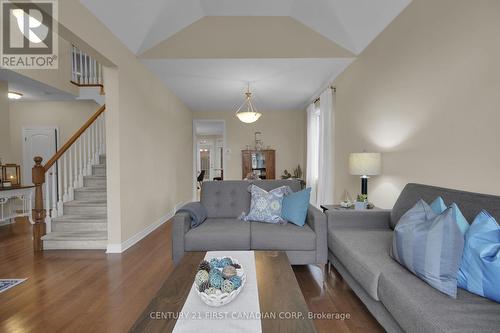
(417, 307)
(225, 199)
(470, 203)
(230, 198)
(430, 246)
(287, 237)
(219, 234)
(364, 252)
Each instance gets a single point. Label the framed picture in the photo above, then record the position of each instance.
(11, 173)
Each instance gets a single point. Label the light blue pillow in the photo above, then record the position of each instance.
(438, 206)
(430, 246)
(460, 218)
(480, 268)
(295, 207)
(266, 206)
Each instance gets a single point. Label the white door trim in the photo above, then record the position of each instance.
(195, 147)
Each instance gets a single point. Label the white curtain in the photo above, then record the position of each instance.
(326, 127)
(312, 151)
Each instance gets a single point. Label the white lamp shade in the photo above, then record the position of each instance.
(365, 164)
(248, 116)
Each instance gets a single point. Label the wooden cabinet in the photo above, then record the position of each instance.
(260, 162)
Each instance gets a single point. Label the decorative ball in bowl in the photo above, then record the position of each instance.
(219, 280)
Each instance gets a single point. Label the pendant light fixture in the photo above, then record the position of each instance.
(247, 113)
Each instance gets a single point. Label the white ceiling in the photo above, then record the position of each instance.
(32, 90)
(278, 84)
(218, 84)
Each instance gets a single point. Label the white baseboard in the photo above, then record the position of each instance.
(124, 246)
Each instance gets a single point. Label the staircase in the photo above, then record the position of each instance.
(70, 188)
(83, 224)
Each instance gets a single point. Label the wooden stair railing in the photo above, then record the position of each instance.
(64, 172)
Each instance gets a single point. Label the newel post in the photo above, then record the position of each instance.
(38, 175)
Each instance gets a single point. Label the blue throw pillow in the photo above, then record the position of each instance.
(266, 206)
(430, 246)
(438, 206)
(459, 218)
(295, 207)
(480, 269)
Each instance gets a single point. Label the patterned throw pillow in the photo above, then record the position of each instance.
(430, 246)
(266, 206)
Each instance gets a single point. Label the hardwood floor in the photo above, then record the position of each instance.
(90, 291)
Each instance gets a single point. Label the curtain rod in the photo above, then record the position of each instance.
(317, 99)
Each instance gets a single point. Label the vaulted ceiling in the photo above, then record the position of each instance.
(206, 50)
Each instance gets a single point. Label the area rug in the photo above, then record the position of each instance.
(6, 284)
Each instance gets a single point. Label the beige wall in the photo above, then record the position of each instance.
(67, 116)
(5, 146)
(426, 93)
(57, 78)
(284, 131)
(149, 132)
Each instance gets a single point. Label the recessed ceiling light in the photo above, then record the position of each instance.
(14, 95)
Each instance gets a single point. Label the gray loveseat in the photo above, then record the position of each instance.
(359, 244)
(224, 202)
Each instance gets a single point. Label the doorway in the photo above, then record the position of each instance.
(209, 152)
(37, 141)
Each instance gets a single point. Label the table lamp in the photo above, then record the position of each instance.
(365, 165)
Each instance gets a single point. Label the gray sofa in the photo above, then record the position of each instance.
(359, 243)
(224, 202)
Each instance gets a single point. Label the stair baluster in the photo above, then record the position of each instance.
(60, 203)
(81, 143)
(81, 68)
(70, 175)
(54, 172)
(48, 219)
(94, 76)
(103, 133)
(65, 178)
(73, 63)
(89, 152)
(96, 141)
(75, 161)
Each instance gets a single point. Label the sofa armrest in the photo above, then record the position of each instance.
(376, 218)
(181, 225)
(317, 221)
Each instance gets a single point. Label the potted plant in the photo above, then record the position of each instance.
(361, 202)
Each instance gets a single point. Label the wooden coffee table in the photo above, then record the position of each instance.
(279, 293)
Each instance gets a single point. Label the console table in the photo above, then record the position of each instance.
(24, 193)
